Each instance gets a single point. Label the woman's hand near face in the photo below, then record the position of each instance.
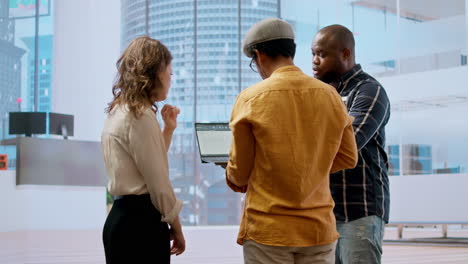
(169, 115)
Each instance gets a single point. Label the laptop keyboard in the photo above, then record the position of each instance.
(216, 159)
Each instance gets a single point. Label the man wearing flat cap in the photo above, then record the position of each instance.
(289, 132)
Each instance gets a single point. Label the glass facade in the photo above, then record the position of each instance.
(402, 43)
(416, 48)
(410, 159)
(44, 71)
(26, 44)
(209, 69)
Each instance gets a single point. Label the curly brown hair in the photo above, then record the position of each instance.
(137, 81)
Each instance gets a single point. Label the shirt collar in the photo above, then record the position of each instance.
(284, 69)
(345, 78)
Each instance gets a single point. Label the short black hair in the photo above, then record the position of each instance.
(340, 35)
(277, 47)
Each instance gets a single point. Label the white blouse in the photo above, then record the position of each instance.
(136, 159)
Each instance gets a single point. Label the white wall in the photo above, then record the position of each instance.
(414, 199)
(426, 84)
(443, 126)
(429, 199)
(431, 37)
(35, 207)
(86, 47)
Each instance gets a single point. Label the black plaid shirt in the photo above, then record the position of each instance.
(364, 190)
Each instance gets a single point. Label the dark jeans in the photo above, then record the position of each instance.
(134, 233)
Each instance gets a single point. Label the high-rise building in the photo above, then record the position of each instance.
(44, 70)
(10, 82)
(7, 25)
(393, 152)
(209, 71)
(10, 70)
(410, 159)
(224, 206)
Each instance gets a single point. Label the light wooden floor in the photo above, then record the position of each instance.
(205, 245)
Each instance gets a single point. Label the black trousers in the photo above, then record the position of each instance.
(134, 233)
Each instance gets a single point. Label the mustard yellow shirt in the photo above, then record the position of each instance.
(289, 132)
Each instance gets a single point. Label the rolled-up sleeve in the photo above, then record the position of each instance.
(242, 152)
(347, 155)
(148, 150)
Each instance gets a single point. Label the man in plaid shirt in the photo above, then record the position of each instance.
(361, 194)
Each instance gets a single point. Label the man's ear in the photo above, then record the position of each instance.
(256, 53)
(346, 53)
(259, 57)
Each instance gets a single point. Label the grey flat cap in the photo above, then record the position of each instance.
(266, 30)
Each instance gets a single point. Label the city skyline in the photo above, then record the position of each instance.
(209, 70)
(428, 98)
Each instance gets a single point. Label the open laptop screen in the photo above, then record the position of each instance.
(214, 140)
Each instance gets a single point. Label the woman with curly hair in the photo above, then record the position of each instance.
(135, 153)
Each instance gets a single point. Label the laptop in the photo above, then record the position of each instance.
(214, 142)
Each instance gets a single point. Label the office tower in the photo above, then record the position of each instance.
(10, 69)
(44, 71)
(209, 71)
(415, 159)
(224, 206)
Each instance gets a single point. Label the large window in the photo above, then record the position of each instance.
(209, 71)
(26, 37)
(416, 49)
